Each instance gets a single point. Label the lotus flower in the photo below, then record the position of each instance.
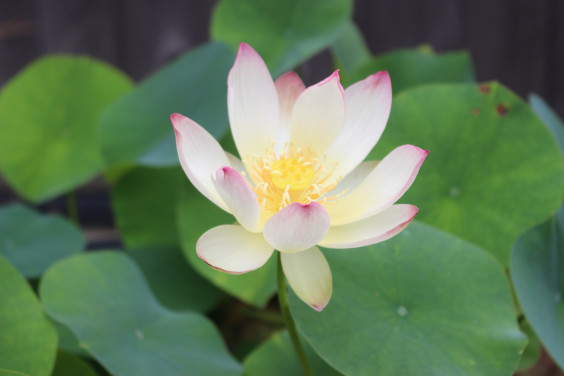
(301, 180)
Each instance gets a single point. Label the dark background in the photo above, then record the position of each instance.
(518, 42)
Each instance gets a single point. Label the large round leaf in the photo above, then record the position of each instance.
(408, 68)
(137, 128)
(277, 357)
(196, 215)
(537, 270)
(493, 170)
(106, 302)
(28, 340)
(173, 281)
(285, 33)
(423, 303)
(144, 200)
(48, 123)
(32, 242)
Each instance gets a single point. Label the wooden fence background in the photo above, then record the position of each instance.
(518, 42)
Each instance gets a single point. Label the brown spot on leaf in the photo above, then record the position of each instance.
(484, 89)
(475, 111)
(502, 109)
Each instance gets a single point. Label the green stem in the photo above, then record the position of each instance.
(290, 325)
(72, 207)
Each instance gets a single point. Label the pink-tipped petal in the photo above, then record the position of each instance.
(289, 86)
(297, 227)
(238, 196)
(371, 230)
(200, 156)
(368, 107)
(232, 249)
(389, 180)
(252, 102)
(309, 275)
(318, 116)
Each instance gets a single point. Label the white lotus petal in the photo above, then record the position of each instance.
(200, 156)
(309, 275)
(382, 187)
(318, 116)
(368, 108)
(232, 249)
(252, 102)
(371, 230)
(289, 86)
(238, 196)
(297, 227)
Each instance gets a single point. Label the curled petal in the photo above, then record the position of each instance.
(309, 275)
(238, 196)
(382, 187)
(200, 156)
(297, 227)
(371, 230)
(289, 86)
(368, 107)
(318, 116)
(252, 102)
(232, 249)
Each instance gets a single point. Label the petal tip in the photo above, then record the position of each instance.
(334, 76)
(176, 118)
(319, 307)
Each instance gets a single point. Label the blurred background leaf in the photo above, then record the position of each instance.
(415, 67)
(549, 116)
(48, 123)
(537, 271)
(105, 300)
(285, 33)
(175, 284)
(32, 241)
(28, 341)
(144, 201)
(137, 128)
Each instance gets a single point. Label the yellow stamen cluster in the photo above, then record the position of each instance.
(291, 175)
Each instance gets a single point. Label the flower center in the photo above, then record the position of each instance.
(297, 174)
(290, 175)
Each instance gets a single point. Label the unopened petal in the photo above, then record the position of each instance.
(371, 230)
(252, 102)
(318, 116)
(309, 275)
(297, 227)
(200, 156)
(368, 107)
(238, 196)
(289, 86)
(232, 249)
(382, 187)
